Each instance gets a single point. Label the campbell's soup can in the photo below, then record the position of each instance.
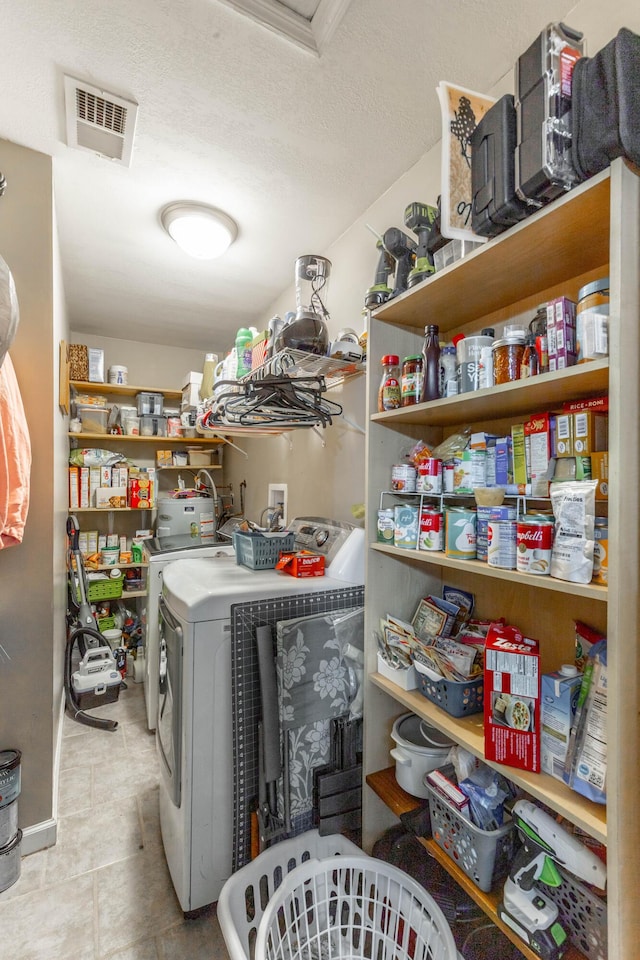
(403, 478)
(429, 479)
(601, 551)
(405, 534)
(431, 536)
(460, 533)
(501, 544)
(534, 539)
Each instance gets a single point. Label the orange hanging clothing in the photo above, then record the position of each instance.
(15, 458)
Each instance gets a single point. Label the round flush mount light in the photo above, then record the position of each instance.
(201, 231)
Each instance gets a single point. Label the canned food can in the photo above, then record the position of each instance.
(386, 526)
(405, 534)
(484, 514)
(403, 477)
(460, 533)
(601, 552)
(429, 478)
(501, 544)
(431, 536)
(534, 540)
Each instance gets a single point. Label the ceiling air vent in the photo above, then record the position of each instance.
(99, 121)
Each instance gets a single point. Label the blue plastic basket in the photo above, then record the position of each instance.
(459, 699)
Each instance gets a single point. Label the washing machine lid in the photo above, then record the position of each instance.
(176, 546)
(200, 589)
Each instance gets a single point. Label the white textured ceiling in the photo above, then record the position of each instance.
(292, 146)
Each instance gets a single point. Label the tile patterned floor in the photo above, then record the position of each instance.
(104, 891)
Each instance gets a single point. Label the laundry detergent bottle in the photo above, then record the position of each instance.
(244, 336)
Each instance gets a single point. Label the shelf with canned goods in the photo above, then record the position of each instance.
(158, 441)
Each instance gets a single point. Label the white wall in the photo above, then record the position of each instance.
(148, 364)
(327, 480)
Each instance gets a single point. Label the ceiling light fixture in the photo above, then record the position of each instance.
(201, 231)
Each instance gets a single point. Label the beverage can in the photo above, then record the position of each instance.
(601, 551)
(405, 533)
(534, 540)
(429, 476)
(431, 535)
(501, 544)
(460, 533)
(403, 478)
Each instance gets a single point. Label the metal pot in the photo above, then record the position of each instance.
(420, 749)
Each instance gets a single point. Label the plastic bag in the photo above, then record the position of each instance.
(94, 457)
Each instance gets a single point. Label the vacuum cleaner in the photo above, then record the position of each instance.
(97, 680)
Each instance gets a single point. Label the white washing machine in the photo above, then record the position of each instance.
(194, 728)
(159, 552)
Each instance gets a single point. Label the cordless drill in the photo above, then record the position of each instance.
(380, 292)
(403, 250)
(420, 218)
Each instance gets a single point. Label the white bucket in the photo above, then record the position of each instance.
(113, 637)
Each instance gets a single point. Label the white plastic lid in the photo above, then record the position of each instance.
(569, 670)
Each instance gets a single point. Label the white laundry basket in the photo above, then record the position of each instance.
(247, 892)
(352, 908)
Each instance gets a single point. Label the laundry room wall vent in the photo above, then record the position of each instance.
(99, 121)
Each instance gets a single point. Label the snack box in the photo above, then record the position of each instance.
(302, 563)
(111, 498)
(600, 472)
(512, 698)
(140, 493)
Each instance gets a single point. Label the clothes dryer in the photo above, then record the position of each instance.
(194, 728)
(160, 551)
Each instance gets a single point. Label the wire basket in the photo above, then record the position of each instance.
(484, 855)
(352, 908)
(258, 552)
(246, 893)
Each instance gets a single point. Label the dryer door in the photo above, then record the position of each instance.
(169, 723)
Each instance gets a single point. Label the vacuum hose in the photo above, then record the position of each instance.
(72, 704)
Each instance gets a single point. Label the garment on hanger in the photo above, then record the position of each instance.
(15, 459)
(9, 314)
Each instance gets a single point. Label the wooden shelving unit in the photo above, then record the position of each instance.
(593, 231)
(385, 785)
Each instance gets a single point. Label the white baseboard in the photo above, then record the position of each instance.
(41, 835)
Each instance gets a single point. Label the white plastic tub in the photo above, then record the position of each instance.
(420, 749)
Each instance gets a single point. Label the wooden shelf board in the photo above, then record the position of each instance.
(544, 392)
(535, 255)
(106, 510)
(159, 441)
(592, 591)
(133, 593)
(120, 566)
(122, 390)
(215, 466)
(384, 785)
(469, 733)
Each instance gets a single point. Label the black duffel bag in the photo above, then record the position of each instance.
(606, 105)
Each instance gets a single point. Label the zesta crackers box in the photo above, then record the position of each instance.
(512, 698)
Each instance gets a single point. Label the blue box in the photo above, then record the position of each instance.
(504, 461)
(558, 701)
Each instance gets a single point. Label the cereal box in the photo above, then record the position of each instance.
(512, 698)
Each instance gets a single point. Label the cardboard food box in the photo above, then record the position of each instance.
(590, 432)
(512, 698)
(111, 498)
(600, 472)
(559, 699)
(302, 563)
(564, 435)
(140, 492)
(538, 432)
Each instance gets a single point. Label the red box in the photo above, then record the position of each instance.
(512, 698)
(303, 563)
(140, 494)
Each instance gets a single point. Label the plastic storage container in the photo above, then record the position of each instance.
(247, 892)
(152, 426)
(94, 419)
(149, 404)
(355, 908)
(484, 855)
(104, 589)
(459, 699)
(258, 552)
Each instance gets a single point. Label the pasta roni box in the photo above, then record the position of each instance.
(512, 698)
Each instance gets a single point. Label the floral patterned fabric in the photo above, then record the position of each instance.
(315, 684)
